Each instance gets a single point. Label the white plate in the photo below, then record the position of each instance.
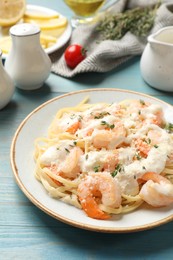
(62, 40)
(36, 124)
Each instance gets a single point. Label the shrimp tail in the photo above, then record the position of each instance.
(91, 209)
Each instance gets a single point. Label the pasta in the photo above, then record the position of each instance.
(107, 159)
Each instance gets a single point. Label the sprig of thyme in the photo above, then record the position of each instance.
(139, 21)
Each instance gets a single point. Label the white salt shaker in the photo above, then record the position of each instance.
(6, 86)
(27, 63)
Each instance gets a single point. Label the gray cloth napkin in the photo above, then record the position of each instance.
(109, 54)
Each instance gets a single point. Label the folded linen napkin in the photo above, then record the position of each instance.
(109, 54)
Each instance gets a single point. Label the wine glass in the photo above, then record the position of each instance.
(86, 11)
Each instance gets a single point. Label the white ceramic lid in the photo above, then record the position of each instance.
(24, 29)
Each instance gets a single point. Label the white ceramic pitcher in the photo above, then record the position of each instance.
(6, 86)
(157, 60)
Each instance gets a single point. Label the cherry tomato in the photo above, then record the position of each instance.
(74, 54)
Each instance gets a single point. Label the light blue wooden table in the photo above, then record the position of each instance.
(28, 233)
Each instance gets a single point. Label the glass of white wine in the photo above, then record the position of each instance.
(87, 10)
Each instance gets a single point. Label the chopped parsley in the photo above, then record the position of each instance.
(118, 169)
(67, 150)
(75, 143)
(156, 146)
(143, 167)
(142, 102)
(148, 141)
(80, 118)
(72, 116)
(169, 127)
(101, 115)
(96, 168)
(86, 156)
(107, 125)
(138, 157)
(114, 173)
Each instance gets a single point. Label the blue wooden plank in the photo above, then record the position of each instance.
(64, 243)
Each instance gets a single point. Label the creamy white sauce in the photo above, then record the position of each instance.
(132, 169)
(93, 159)
(57, 153)
(126, 155)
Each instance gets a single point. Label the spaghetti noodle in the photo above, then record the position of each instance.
(106, 158)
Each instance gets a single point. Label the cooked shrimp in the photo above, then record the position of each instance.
(156, 119)
(153, 137)
(101, 160)
(133, 105)
(143, 112)
(109, 138)
(157, 191)
(142, 146)
(73, 128)
(53, 169)
(111, 161)
(70, 167)
(100, 186)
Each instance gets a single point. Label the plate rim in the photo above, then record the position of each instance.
(53, 48)
(58, 216)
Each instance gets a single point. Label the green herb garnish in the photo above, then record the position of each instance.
(72, 116)
(67, 150)
(139, 21)
(169, 127)
(142, 102)
(101, 115)
(96, 168)
(148, 141)
(156, 146)
(107, 125)
(118, 169)
(80, 118)
(138, 157)
(86, 157)
(114, 173)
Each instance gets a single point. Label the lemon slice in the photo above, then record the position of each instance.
(30, 15)
(47, 40)
(11, 11)
(48, 24)
(5, 44)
